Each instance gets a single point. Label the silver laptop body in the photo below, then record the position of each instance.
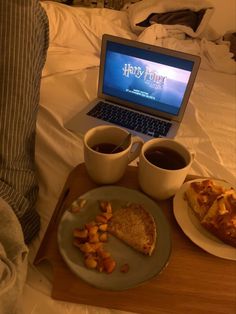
(140, 81)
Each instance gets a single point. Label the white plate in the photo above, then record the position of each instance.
(193, 229)
(142, 268)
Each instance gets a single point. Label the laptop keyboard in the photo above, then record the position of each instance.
(130, 119)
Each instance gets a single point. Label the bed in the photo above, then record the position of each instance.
(69, 82)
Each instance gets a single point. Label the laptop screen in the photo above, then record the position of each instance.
(151, 79)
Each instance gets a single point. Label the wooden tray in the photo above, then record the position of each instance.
(193, 282)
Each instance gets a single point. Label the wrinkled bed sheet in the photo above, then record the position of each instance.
(69, 82)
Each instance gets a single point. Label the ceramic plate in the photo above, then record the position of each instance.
(193, 229)
(142, 268)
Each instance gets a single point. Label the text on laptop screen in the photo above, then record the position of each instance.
(147, 78)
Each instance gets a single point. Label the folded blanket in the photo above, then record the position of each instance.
(188, 16)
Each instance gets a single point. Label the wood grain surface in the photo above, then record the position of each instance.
(194, 281)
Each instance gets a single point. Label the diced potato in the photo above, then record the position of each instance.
(93, 238)
(90, 255)
(90, 262)
(92, 230)
(96, 245)
(124, 268)
(90, 224)
(86, 248)
(103, 254)
(103, 237)
(101, 219)
(103, 227)
(90, 239)
(80, 233)
(109, 264)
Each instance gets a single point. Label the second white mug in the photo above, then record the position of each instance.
(163, 167)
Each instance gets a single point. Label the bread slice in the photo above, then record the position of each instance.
(220, 219)
(135, 226)
(201, 195)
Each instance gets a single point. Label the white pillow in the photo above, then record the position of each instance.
(82, 28)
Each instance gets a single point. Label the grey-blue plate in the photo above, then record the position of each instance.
(142, 268)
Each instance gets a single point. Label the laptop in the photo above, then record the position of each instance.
(142, 88)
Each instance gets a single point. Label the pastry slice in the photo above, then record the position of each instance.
(220, 219)
(201, 195)
(135, 226)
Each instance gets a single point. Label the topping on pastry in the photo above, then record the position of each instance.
(201, 195)
(221, 218)
(215, 207)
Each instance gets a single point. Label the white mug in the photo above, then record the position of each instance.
(157, 157)
(108, 168)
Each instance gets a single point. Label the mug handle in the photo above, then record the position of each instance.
(138, 142)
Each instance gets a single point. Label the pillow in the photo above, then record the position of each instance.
(82, 28)
(111, 4)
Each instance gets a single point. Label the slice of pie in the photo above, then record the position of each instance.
(215, 207)
(220, 219)
(135, 226)
(201, 195)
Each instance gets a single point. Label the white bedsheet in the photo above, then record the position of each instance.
(69, 82)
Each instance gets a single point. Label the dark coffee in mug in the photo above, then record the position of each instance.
(107, 148)
(166, 158)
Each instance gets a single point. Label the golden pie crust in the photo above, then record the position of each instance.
(135, 226)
